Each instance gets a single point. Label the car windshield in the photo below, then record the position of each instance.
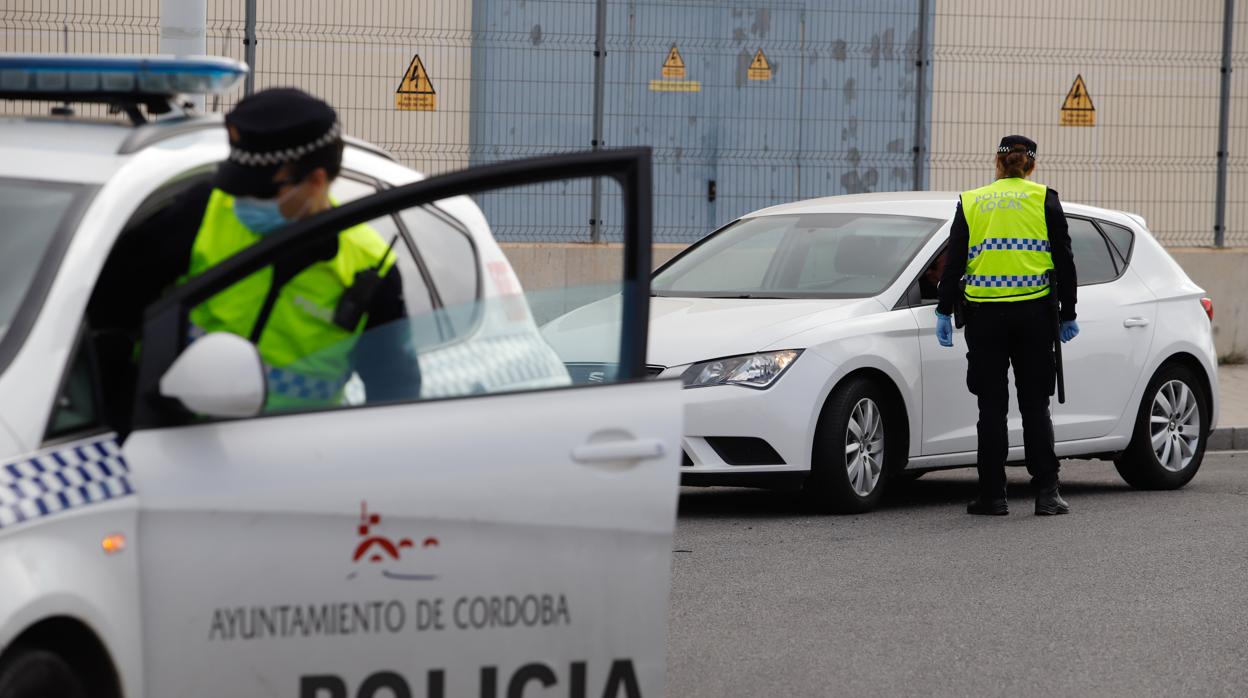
(809, 255)
(30, 215)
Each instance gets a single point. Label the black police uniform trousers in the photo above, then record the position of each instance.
(1019, 334)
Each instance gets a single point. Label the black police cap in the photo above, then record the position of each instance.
(1009, 142)
(269, 129)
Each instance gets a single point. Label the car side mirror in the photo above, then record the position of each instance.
(218, 375)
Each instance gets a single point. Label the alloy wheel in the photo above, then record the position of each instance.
(864, 446)
(1174, 425)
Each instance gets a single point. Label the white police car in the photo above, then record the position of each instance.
(508, 532)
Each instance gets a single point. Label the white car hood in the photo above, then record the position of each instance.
(686, 330)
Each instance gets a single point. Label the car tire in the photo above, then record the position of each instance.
(856, 450)
(1163, 454)
(38, 673)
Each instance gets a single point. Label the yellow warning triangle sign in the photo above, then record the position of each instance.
(674, 66)
(415, 92)
(673, 59)
(1078, 99)
(759, 68)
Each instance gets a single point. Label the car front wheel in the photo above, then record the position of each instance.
(1171, 431)
(855, 450)
(38, 673)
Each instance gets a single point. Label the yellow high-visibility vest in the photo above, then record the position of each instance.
(1008, 254)
(306, 355)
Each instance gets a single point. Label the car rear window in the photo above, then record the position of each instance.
(814, 255)
(31, 213)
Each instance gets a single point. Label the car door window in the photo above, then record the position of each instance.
(479, 336)
(1093, 262)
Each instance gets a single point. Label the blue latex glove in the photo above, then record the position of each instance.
(1068, 330)
(944, 330)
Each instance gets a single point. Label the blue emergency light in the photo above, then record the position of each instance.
(109, 78)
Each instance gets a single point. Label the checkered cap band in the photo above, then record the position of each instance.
(1005, 149)
(1007, 281)
(279, 157)
(1028, 244)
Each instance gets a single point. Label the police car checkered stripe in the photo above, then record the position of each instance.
(489, 365)
(62, 479)
(1008, 244)
(277, 157)
(1006, 281)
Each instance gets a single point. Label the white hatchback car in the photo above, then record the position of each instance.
(804, 335)
(502, 527)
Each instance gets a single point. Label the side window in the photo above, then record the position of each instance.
(445, 247)
(77, 406)
(1093, 261)
(1122, 240)
(929, 280)
(415, 289)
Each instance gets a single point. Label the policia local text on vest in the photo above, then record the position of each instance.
(1010, 245)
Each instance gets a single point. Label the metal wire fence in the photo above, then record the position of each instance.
(1148, 70)
(746, 104)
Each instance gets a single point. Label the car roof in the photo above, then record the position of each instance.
(91, 150)
(933, 204)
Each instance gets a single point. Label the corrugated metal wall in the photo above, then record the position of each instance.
(836, 116)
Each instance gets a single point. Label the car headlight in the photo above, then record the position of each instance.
(757, 371)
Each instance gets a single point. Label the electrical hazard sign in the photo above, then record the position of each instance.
(415, 92)
(674, 66)
(1078, 109)
(759, 68)
(674, 73)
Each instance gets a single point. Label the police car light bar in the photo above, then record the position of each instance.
(144, 79)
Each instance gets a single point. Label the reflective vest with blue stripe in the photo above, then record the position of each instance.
(1008, 257)
(307, 357)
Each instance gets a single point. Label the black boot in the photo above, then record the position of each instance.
(988, 506)
(1049, 502)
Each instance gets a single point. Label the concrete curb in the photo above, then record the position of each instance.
(1228, 439)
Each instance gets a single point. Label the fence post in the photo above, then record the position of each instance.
(920, 87)
(1224, 117)
(249, 44)
(600, 72)
(182, 32)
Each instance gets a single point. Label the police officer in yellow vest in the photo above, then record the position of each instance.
(1010, 244)
(316, 316)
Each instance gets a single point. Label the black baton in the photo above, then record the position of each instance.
(1057, 356)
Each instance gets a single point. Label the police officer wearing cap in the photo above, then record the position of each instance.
(1010, 244)
(316, 316)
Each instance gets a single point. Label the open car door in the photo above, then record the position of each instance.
(501, 526)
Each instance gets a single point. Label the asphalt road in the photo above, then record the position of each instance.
(1133, 593)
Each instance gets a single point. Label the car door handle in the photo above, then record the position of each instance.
(1135, 322)
(618, 452)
